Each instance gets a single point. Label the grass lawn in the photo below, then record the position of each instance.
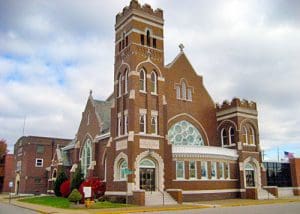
(60, 202)
(52, 201)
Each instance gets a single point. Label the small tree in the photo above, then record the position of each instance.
(3, 148)
(61, 177)
(75, 196)
(77, 178)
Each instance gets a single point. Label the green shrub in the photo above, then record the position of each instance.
(61, 177)
(77, 178)
(75, 196)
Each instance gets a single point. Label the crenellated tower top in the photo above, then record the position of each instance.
(136, 7)
(236, 103)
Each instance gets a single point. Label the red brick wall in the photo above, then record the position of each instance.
(9, 172)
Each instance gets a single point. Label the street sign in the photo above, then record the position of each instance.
(128, 171)
(87, 192)
(11, 184)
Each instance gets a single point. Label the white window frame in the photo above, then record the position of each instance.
(183, 171)
(126, 81)
(252, 135)
(228, 166)
(221, 170)
(119, 85)
(145, 121)
(178, 92)
(222, 137)
(144, 81)
(153, 83)
(183, 90)
(213, 167)
(125, 124)
(229, 134)
(121, 168)
(189, 94)
(195, 169)
(204, 165)
(155, 124)
(244, 128)
(41, 164)
(119, 125)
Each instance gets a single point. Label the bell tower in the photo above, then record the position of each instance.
(137, 118)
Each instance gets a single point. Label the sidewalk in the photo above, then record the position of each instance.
(185, 206)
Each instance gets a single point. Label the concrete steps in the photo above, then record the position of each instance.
(264, 194)
(157, 198)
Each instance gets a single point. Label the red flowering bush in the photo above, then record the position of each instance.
(65, 188)
(98, 187)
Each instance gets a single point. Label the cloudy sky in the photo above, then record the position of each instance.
(53, 52)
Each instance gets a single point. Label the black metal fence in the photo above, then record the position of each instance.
(278, 174)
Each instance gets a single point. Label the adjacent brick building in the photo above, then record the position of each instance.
(33, 157)
(9, 172)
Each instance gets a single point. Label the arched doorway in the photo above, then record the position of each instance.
(147, 175)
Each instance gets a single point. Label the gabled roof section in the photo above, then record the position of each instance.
(102, 109)
(182, 56)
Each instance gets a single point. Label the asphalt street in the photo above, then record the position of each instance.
(289, 208)
(11, 209)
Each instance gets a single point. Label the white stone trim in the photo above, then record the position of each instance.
(211, 191)
(151, 21)
(101, 137)
(116, 167)
(132, 94)
(237, 109)
(154, 113)
(230, 121)
(238, 114)
(143, 111)
(121, 145)
(148, 60)
(159, 172)
(211, 152)
(126, 112)
(123, 193)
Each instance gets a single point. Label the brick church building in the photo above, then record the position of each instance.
(160, 134)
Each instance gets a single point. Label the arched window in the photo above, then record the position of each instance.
(154, 124)
(146, 163)
(126, 81)
(153, 82)
(250, 175)
(143, 123)
(86, 157)
(244, 135)
(122, 167)
(142, 80)
(54, 174)
(183, 88)
(224, 137)
(251, 136)
(148, 38)
(119, 85)
(184, 133)
(231, 135)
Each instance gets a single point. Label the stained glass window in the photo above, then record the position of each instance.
(185, 133)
